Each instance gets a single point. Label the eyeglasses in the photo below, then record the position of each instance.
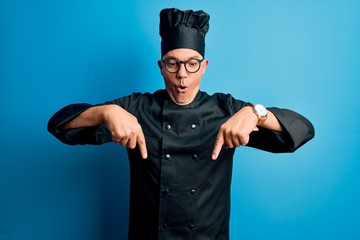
(192, 65)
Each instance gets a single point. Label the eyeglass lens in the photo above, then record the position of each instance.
(192, 65)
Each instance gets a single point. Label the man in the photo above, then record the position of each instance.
(174, 136)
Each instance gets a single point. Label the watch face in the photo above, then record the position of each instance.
(261, 110)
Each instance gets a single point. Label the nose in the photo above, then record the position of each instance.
(181, 73)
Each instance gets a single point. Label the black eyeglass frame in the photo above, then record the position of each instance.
(182, 62)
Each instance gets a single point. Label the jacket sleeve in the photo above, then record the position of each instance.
(85, 135)
(297, 130)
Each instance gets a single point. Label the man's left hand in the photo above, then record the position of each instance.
(236, 130)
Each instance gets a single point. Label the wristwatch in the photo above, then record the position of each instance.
(261, 112)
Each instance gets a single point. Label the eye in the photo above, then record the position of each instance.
(192, 63)
(171, 63)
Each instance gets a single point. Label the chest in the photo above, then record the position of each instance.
(180, 139)
(182, 129)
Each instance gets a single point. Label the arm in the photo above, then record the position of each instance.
(122, 126)
(283, 131)
(297, 130)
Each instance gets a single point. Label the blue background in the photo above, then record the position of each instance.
(302, 55)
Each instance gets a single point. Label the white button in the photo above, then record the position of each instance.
(193, 126)
(168, 126)
(167, 156)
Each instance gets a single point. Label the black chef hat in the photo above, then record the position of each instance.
(183, 29)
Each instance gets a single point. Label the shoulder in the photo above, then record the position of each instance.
(139, 99)
(135, 96)
(222, 96)
(224, 101)
(227, 99)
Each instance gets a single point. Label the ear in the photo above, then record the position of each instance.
(160, 66)
(205, 64)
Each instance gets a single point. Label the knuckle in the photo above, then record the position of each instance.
(234, 132)
(241, 134)
(131, 146)
(244, 140)
(138, 128)
(141, 141)
(131, 132)
(223, 127)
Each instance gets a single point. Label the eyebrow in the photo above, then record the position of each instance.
(171, 57)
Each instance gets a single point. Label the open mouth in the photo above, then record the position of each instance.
(182, 89)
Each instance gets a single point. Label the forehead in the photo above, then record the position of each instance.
(182, 54)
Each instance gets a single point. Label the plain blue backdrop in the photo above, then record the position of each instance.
(302, 55)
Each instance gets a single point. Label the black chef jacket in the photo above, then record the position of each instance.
(178, 192)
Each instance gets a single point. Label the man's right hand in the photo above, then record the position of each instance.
(124, 128)
(122, 125)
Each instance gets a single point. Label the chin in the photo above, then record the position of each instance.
(182, 101)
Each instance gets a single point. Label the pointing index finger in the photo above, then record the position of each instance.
(218, 145)
(142, 145)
